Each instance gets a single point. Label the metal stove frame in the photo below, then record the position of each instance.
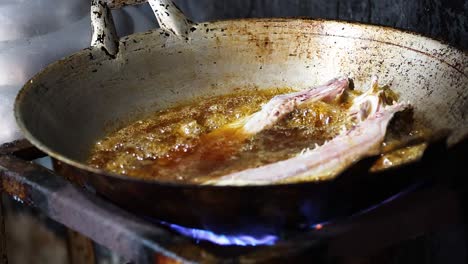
(411, 214)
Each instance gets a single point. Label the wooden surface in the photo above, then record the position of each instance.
(442, 19)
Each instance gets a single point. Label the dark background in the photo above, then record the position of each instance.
(441, 19)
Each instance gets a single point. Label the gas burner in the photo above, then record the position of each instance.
(223, 240)
(250, 240)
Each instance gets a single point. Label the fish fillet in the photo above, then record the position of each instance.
(364, 139)
(284, 104)
(231, 136)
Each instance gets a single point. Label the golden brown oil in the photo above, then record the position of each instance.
(190, 143)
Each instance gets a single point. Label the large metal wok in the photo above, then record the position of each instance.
(68, 106)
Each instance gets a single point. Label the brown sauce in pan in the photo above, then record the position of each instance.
(157, 147)
(178, 144)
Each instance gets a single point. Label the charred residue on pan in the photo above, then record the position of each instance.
(261, 42)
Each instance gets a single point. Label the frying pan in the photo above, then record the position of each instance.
(74, 102)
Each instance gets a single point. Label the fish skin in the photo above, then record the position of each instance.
(210, 143)
(367, 103)
(284, 104)
(324, 161)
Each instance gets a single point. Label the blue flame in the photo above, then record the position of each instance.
(224, 240)
(392, 198)
(268, 239)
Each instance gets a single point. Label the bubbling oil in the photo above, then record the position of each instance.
(189, 142)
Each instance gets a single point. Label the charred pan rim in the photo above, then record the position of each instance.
(356, 23)
(89, 169)
(368, 25)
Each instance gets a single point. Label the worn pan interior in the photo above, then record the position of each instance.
(73, 102)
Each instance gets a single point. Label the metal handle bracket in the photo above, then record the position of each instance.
(171, 18)
(104, 33)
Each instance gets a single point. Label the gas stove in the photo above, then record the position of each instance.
(417, 211)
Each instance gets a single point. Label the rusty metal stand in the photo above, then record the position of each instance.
(140, 241)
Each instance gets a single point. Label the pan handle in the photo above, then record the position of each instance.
(170, 18)
(104, 33)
